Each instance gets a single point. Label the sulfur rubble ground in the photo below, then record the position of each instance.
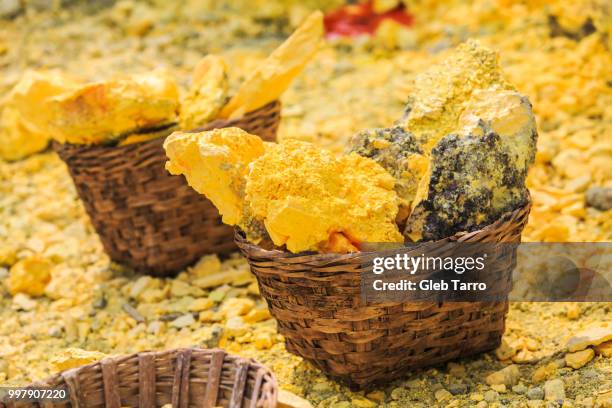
(90, 307)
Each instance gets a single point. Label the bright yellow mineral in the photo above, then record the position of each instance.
(438, 95)
(30, 276)
(104, 111)
(19, 135)
(273, 76)
(215, 164)
(16, 139)
(207, 94)
(305, 196)
(74, 357)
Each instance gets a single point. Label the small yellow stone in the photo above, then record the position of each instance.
(287, 399)
(201, 304)
(604, 349)
(263, 341)
(236, 307)
(361, 402)
(74, 357)
(592, 336)
(579, 358)
(30, 275)
(501, 388)
(377, 396)
(257, 315)
(544, 372)
(572, 311)
(505, 351)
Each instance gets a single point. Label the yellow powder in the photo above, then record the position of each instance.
(104, 111)
(215, 164)
(207, 94)
(305, 195)
(273, 76)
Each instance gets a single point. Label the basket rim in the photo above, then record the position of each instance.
(268, 376)
(244, 244)
(214, 124)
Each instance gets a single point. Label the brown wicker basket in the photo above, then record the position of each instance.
(146, 218)
(316, 301)
(181, 377)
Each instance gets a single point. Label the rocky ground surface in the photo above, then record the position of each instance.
(77, 306)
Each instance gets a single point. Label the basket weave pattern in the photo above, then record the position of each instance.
(316, 301)
(146, 218)
(181, 377)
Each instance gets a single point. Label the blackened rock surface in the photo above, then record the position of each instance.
(473, 182)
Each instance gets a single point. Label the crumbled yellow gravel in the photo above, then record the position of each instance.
(90, 305)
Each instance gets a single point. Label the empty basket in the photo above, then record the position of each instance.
(181, 377)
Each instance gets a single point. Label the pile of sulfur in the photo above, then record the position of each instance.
(136, 108)
(455, 162)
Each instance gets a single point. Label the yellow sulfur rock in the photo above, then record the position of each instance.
(30, 275)
(479, 138)
(438, 95)
(207, 94)
(304, 195)
(580, 358)
(75, 357)
(104, 111)
(33, 89)
(215, 164)
(257, 315)
(19, 135)
(16, 140)
(273, 76)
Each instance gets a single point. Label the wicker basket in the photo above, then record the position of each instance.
(181, 377)
(146, 218)
(316, 301)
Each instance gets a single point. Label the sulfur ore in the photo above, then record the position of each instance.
(19, 134)
(103, 112)
(291, 193)
(207, 94)
(215, 163)
(438, 96)
(398, 152)
(477, 174)
(461, 153)
(312, 201)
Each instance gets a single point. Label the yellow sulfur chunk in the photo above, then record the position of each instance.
(437, 98)
(207, 94)
(215, 164)
(19, 133)
(30, 276)
(16, 139)
(306, 196)
(75, 357)
(506, 113)
(477, 172)
(273, 76)
(104, 111)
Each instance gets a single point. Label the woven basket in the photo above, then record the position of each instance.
(181, 377)
(316, 301)
(145, 217)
